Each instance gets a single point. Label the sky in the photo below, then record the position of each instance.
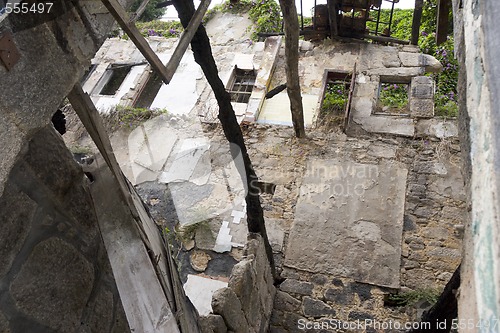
(307, 6)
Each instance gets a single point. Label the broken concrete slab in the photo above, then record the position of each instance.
(190, 152)
(387, 124)
(438, 128)
(277, 110)
(349, 221)
(200, 290)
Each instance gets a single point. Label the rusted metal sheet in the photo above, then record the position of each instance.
(9, 54)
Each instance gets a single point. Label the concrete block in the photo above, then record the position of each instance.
(369, 204)
(437, 128)
(421, 108)
(397, 74)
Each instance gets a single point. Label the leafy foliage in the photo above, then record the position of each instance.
(266, 17)
(413, 297)
(393, 97)
(265, 14)
(335, 98)
(401, 22)
(129, 117)
(446, 81)
(168, 29)
(334, 103)
(151, 12)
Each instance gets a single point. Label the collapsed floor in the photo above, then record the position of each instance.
(387, 219)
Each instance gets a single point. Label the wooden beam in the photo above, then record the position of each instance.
(442, 21)
(131, 30)
(383, 39)
(417, 19)
(332, 16)
(186, 37)
(139, 11)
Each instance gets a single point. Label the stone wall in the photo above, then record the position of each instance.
(432, 226)
(246, 304)
(55, 275)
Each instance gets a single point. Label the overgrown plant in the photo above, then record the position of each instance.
(446, 81)
(265, 14)
(411, 298)
(334, 104)
(167, 29)
(393, 97)
(129, 117)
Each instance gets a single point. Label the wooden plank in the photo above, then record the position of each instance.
(385, 39)
(186, 37)
(140, 225)
(442, 21)
(131, 30)
(139, 11)
(332, 17)
(417, 19)
(347, 114)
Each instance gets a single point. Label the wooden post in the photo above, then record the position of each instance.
(123, 20)
(139, 11)
(442, 21)
(165, 72)
(417, 18)
(186, 37)
(332, 16)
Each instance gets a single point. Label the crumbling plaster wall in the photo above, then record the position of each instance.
(55, 273)
(477, 50)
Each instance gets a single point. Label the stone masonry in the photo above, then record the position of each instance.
(245, 306)
(55, 275)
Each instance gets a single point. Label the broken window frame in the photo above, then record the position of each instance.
(88, 73)
(107, 77)
(397, 81)
(241, 84)
(340, 76)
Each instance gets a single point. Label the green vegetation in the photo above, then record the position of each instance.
(169, 29)
(335, 98)
(413, 297)
(334, 104)
(446, 81)
(129, 117)
(151, 12)
(394, 97)
(265, 14)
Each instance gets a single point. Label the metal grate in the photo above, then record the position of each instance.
(241, 89)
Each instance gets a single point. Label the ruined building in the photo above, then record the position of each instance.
(121, 225)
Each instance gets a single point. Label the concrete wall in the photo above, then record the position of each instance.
(478, 52)
(245, 306)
